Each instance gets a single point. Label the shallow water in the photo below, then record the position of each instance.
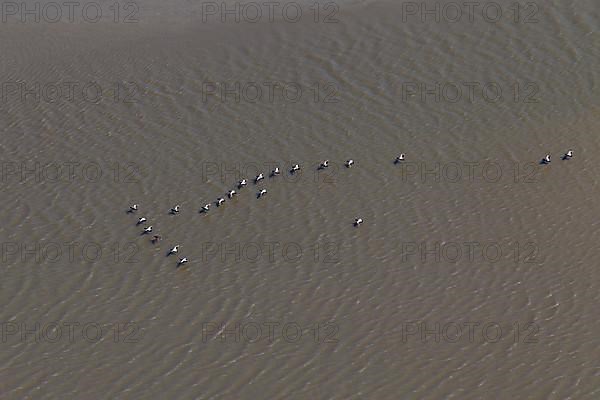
(176, 134)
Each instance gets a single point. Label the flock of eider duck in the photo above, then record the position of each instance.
(242, 183)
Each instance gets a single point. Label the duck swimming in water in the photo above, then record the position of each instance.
(399, 159)
(182, 261)
(568, 155)
(242, 183)
(349, 163)
(261, 193)
(295, 168)
(324, 164)
(358, 221)
(141, 221)
(175, 209)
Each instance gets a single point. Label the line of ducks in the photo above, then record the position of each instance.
(244, 182)
(567, 156)
(231, 193)
(142, 220)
